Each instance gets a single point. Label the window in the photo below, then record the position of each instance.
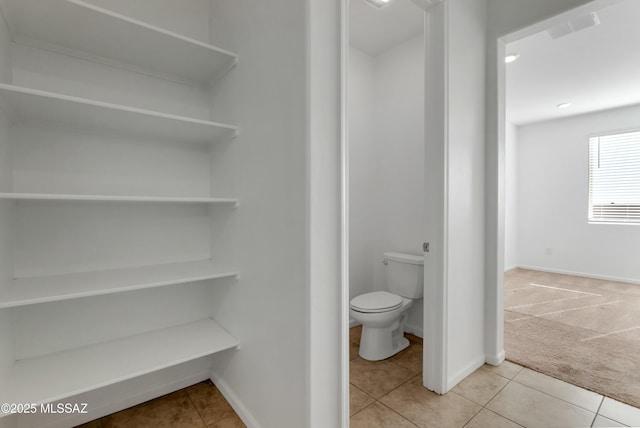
(614, 178)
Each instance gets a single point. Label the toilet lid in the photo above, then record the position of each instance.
(378, 301)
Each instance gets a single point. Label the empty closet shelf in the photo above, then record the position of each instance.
(41, 289)
(68, 373)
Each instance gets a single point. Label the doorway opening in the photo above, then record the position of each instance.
(386, 144)
(572, 282)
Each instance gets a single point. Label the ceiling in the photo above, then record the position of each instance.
(374, 30)
(594, 69)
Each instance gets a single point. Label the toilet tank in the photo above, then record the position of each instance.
(405, 275)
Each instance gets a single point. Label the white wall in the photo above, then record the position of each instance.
(553, 200)
(465, 223)
(69, 75)
(7, 213)
(399, 130)
(511, 198)
(266, 309)
(363, 177)
(386, 163)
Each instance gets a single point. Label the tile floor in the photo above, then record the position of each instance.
(200, 405)
(389, 394)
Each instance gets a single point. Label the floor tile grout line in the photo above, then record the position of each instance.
(503, 416)
(194, 406)
(363, 391)
(493, 411)
(609, 417)
(560, 380)
(363, 409)
(498, 392)
(557, 398)
(401, 385)
(597, 411)
(474, 415)
(397, 413)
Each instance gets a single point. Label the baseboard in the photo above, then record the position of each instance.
(584, 274)
(512, 267)
(416, 331)
(235, 402)
(495, 360)
(474, 365)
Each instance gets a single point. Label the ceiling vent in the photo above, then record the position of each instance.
(574, 25)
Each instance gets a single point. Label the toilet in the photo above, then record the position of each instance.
(383, 314)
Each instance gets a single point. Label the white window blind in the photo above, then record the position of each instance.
(614, 178)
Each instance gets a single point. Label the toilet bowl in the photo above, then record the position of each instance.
(383, 314)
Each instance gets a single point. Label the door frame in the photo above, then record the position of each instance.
(435, 298)
(496, 174)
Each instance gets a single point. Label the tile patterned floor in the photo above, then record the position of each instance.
(389, 394)
(200, 405)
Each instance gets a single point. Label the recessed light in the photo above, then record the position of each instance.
(564, 105)
(378, 3)
(511, 57)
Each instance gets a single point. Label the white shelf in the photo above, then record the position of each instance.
(64, 374)
(28, 291)
(114, 198)
(32, 106)
(77, 25)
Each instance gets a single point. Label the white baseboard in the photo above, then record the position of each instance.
(584, 274)
(474, 365)
(416, 331)
(495, 360)
(242, 411)
(512, 267)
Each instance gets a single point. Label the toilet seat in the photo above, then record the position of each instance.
(378, 301)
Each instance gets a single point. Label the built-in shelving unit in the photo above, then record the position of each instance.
(114, 198)
(35, 107)
(93, 157)
(41, 289)
(65, 374)
(110, 35)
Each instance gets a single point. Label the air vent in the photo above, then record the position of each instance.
(574, 25)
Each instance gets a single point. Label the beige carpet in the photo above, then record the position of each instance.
(583, 331)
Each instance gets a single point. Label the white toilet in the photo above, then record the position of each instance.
(383, 314)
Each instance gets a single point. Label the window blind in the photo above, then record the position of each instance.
(614, 178)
